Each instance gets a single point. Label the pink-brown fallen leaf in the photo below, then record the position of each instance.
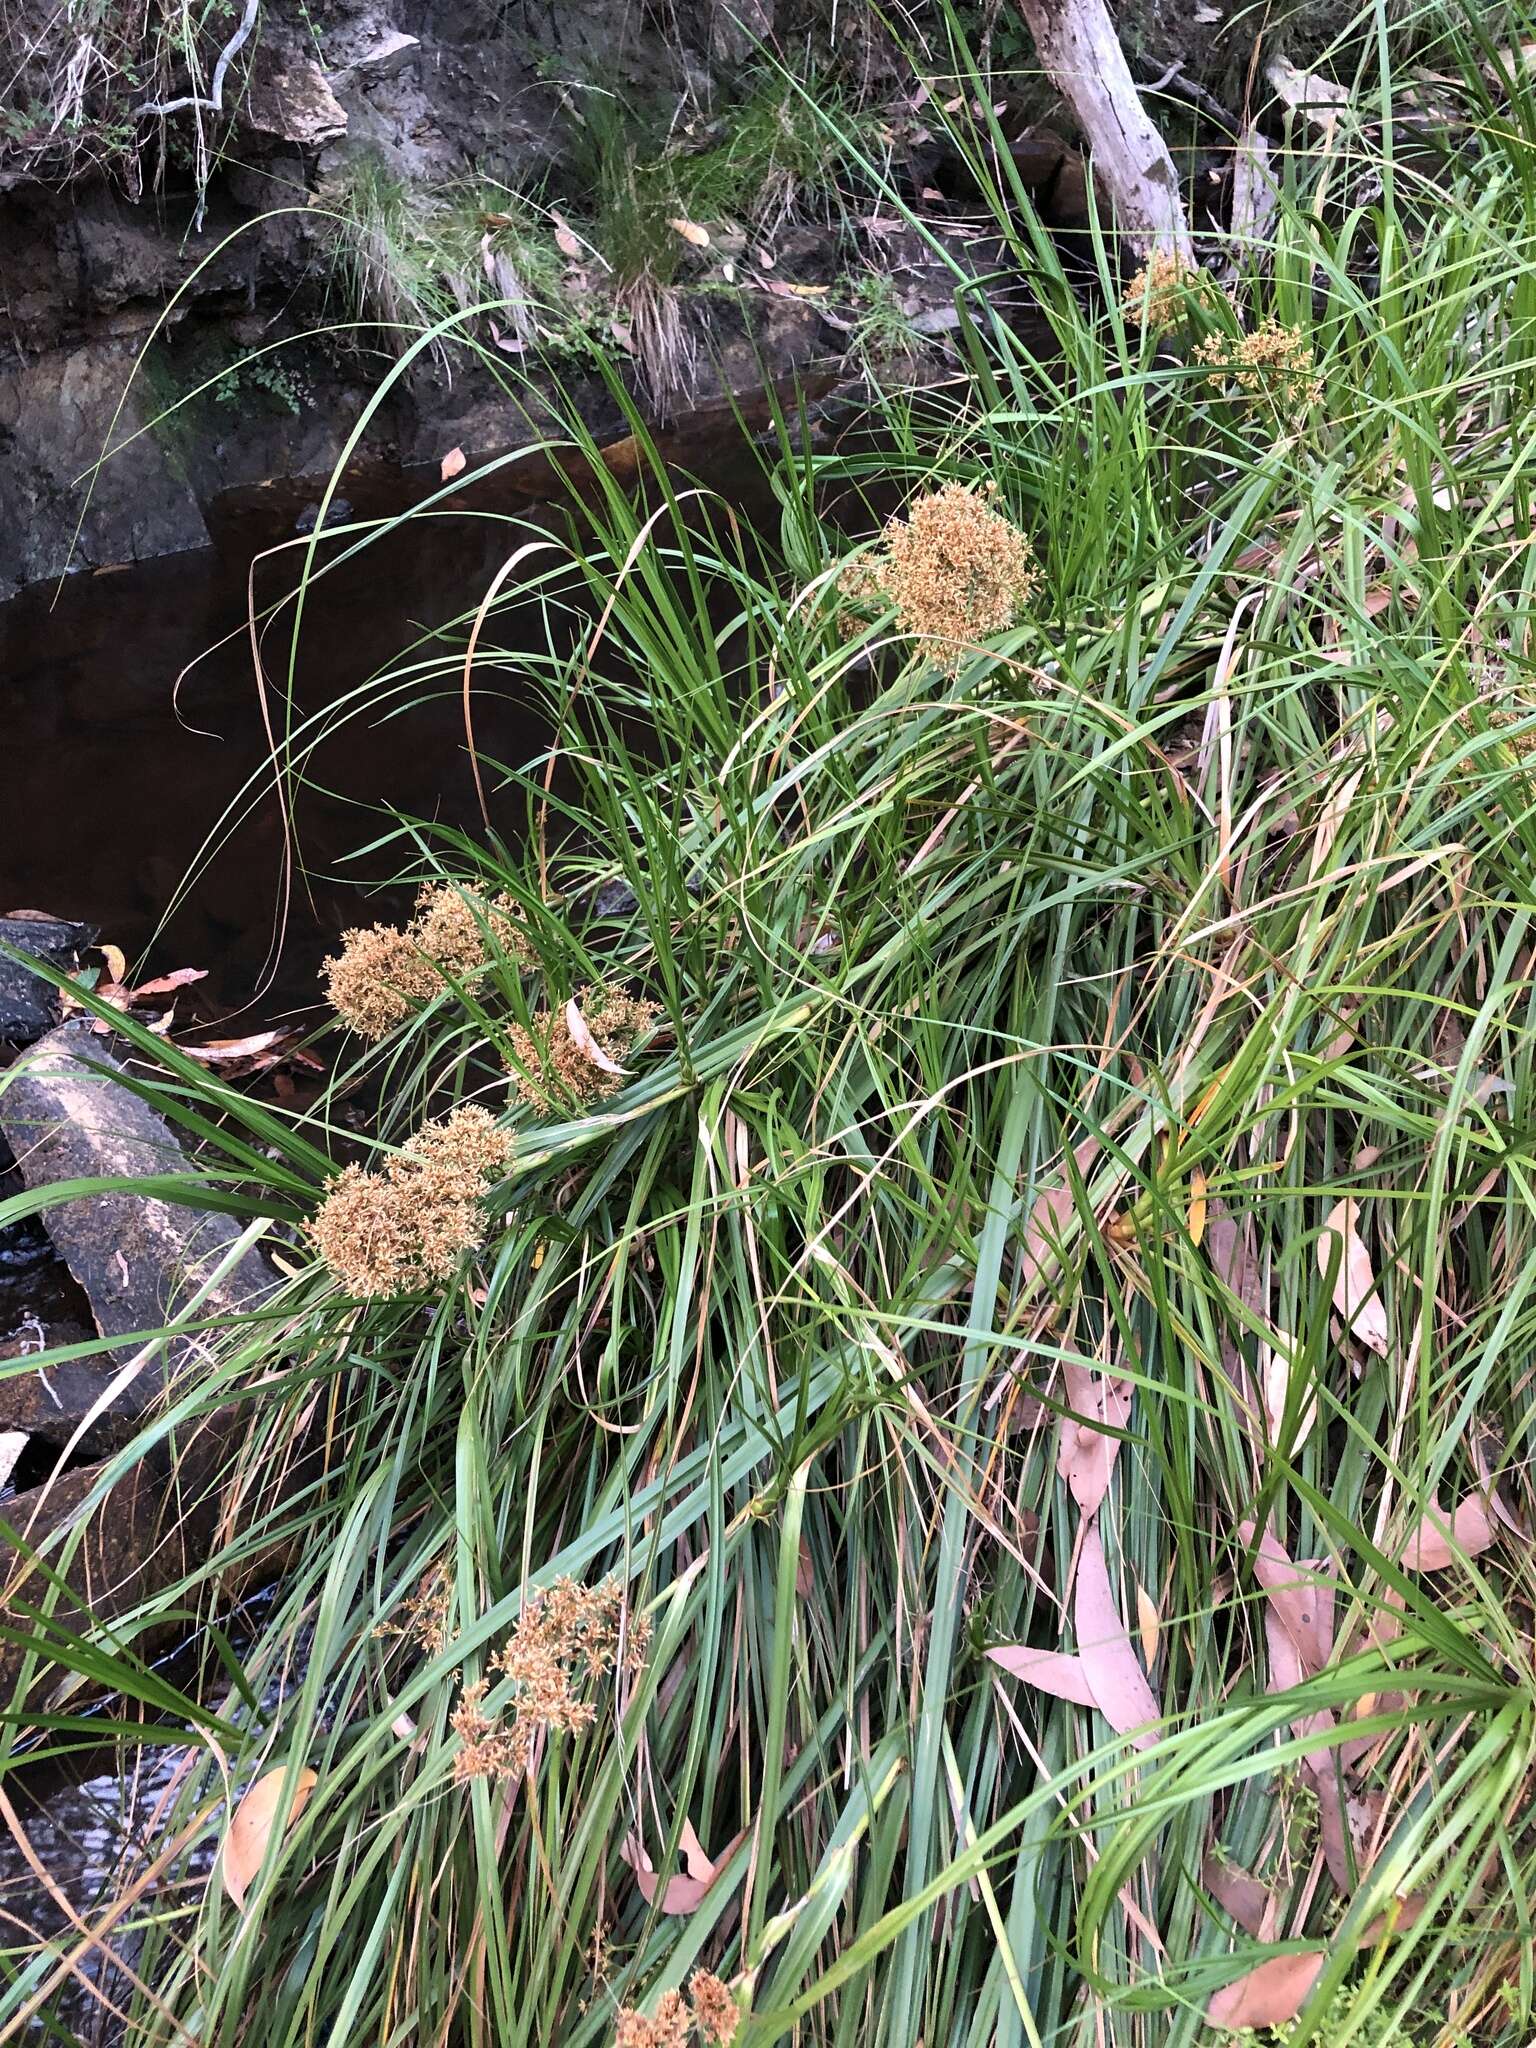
(255, 1822)
(567, 243)
(1250, 1903)
(1354, 1285)
(586, 1044)
(1148, 1624)
(163, 984)
(1405, 1911)
(679, 1894)
(1301, 1603)
(1052, 1210)
(452, 465)
(219, 1052)
(1063, 1677)
(1268, 1996)
(1119, 1685)
(1441, 1539)
(1339, 1841)
(1099, 1403)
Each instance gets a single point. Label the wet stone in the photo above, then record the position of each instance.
(29, 1005)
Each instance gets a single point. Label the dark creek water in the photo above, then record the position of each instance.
(133, 717)
(111, 788)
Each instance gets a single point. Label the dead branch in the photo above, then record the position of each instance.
(1078, 46)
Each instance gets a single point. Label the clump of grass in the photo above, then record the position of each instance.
(407, 256)
(1120, 1247)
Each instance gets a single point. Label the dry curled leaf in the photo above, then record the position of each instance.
(452, 464)
(223, 1052)
(163, 984)
(691, 232)
(1354, 1287)
(1250, 1903)
(679, 1894)
(1148, 1624)
(1276, 1367)
(567, 243)
(255, 1821)
(1298, 1596)
(1100, 1404)
(1268, 1996)
(587, 1045)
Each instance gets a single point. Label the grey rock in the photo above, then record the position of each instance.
(29, 1005)
(67, 1116)
(290, 97)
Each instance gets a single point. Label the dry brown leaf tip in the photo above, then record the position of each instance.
(955, 569)
(387, 1233)
(552, 1064)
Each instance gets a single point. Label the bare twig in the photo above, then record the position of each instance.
(1177, 83)
(214, 103)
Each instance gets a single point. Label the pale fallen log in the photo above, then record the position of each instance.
(1079, 48)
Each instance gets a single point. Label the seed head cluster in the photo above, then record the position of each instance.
(956, 569)
(715, 2014)
(424, 1613)
(1159, 295)
(565, 1641)
(1273, 361)
(382, 973)
(390, 1232)
(548, 1066)
(667, 2027)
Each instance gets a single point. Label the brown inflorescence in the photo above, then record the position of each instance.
(715, 2013)
(956, 569)
(565, 1639)
(425, 1612)
(390, 1232)
(452, 928)
(549, 1066)
(1159, 295)
(377, 980)
(382, 974)
(666, 2028)
(1273, 361)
